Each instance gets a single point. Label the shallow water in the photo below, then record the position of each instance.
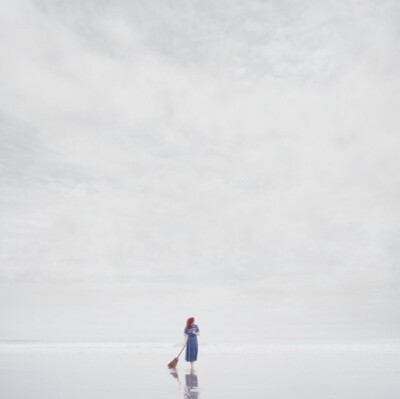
(131, 373)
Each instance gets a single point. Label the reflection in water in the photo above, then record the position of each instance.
(192, 386)
(174, 373)
(191, 390)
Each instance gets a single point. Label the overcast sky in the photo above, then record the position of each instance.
(217, 141)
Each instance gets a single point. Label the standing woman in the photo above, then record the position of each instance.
(192, 347)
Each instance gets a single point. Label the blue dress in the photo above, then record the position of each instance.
(192, 346)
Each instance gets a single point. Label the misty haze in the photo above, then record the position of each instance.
(235, 161)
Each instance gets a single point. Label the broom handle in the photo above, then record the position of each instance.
(182, 348)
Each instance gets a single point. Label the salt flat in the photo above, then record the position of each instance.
(136, 371)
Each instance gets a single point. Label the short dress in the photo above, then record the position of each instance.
(192, 346)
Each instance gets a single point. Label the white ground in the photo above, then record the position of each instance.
(98, 371)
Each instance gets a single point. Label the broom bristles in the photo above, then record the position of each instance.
(173, 364)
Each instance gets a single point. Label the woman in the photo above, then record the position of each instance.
(191, 331)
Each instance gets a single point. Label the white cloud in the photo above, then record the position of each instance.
(234, 139)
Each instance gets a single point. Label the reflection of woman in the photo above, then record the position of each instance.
(192, 386)
(191, 331)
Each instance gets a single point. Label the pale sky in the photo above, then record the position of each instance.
(224, 142)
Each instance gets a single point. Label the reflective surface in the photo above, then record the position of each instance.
(296, 374)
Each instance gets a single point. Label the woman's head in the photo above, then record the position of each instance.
(190, 322)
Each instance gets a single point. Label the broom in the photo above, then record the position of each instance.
(173, 363)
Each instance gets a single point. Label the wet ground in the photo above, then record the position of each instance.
(99, 374)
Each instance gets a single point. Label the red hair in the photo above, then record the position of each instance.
(189, 322)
